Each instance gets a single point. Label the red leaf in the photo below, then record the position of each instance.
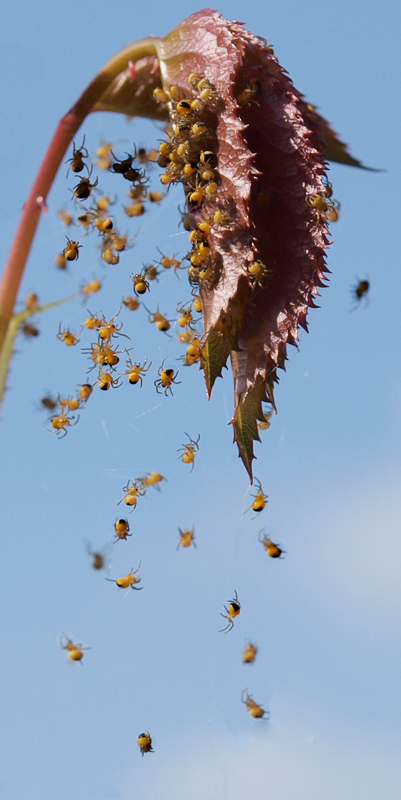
(265, 256)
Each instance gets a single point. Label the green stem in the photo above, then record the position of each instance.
(66, 129)
(11, 333)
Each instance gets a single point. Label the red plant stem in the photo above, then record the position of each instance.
(66, 129)
(32, 210)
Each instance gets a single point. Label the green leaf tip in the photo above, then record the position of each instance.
(247, 414)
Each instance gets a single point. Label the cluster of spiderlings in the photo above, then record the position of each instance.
(121, 532)
(150, 272)
(66, 404)
(186, 318)
(105, 157)
(189, 335)
(101, 353)
(324, 205)
(233, 609)
(105, 355)
(190, 157)
(194, 349)
(138, 488)
(63, 420)
(97, 217)
(106, 358)
(77, 164)
(124, 167)
(138, 192)
(121, 526)
(132, 491)
(65, 408)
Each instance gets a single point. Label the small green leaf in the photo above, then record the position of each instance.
(19, 318)
(13, 327)
(214, 356)
(222, 338)
(248, 411)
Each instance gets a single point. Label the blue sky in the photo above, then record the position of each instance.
(326, 619)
